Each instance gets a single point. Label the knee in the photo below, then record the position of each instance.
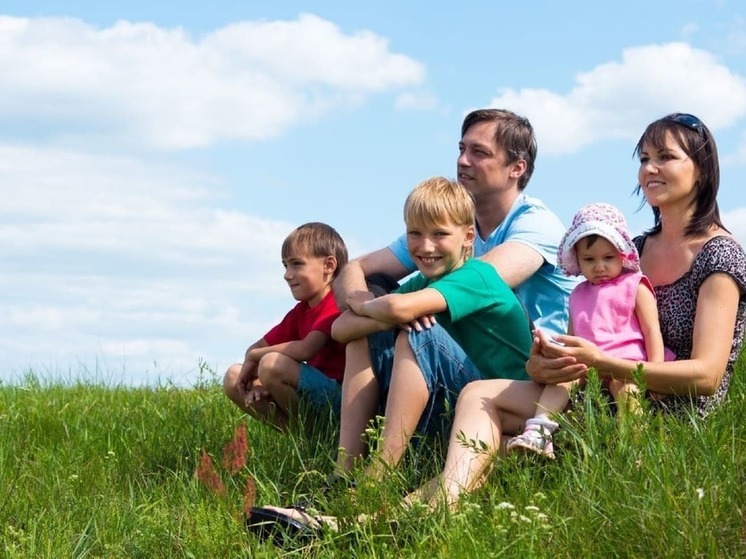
(230, 380)
(472, 392)
(269, 369)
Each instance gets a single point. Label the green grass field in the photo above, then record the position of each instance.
(95, 471)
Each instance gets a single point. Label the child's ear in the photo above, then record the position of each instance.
(470, 236)
(330, 264)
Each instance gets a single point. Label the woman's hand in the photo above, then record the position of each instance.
(549, 362)
(582, 350)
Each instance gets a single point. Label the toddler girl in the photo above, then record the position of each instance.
(614, 308)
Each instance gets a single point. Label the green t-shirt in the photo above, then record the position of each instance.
(484, 317)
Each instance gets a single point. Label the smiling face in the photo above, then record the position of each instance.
(667, 174)
(599, 260)
(439, 249)
(309, 277)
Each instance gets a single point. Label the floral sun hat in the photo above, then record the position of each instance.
(597, 219)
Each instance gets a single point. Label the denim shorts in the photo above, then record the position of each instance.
(318, 390)
(444, 366)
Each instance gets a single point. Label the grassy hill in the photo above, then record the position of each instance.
(95, 471)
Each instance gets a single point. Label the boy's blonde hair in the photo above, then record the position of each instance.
(437, 201)
(317, 240)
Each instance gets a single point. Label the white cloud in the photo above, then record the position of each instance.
(57, 199)
(617, 99)
(117, 256)
(111, 259)
(155, 87)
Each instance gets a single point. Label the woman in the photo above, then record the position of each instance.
(698, 272)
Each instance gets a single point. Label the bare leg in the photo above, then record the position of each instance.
(625, 396)
(262, 409)
(280, 375)
(554, 399)
(230, 385)
(359, 403)
(408, 395)
(485, 411)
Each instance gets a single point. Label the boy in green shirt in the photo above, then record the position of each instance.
(467, 297)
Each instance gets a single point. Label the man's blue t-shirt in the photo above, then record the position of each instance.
(546, 294)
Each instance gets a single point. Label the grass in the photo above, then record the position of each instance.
(95, 471)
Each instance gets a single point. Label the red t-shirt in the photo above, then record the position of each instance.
(300, 321)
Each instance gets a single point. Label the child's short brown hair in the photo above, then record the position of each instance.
(318, 240)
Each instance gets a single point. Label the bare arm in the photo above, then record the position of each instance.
(350, 326)
(715, 318)
(260, 343)
(352, 276)
(515, 262)
(400, 308)
(646, 311)
(366, 316)
(299, 350)
(248, 371)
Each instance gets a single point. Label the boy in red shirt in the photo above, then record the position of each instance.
(297, 359)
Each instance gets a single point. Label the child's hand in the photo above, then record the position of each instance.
(356, 299)
(246, 378)
(424, 322)
(248, 373)
(256, 394)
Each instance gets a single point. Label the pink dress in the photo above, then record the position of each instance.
(605, 315)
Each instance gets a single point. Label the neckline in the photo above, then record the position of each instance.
(694, 260)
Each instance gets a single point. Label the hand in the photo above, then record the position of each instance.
(582, 350)
(256, 394)
(246, 377)
(548, 364)
(425, 322)
(356, 298)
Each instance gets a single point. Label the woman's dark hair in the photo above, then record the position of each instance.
(697, 142)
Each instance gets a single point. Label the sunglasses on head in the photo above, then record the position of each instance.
(690, 121)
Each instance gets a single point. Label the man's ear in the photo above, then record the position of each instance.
(518, 168)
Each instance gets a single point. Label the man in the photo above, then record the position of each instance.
(517, 234)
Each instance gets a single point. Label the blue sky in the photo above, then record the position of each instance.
(154, 155)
